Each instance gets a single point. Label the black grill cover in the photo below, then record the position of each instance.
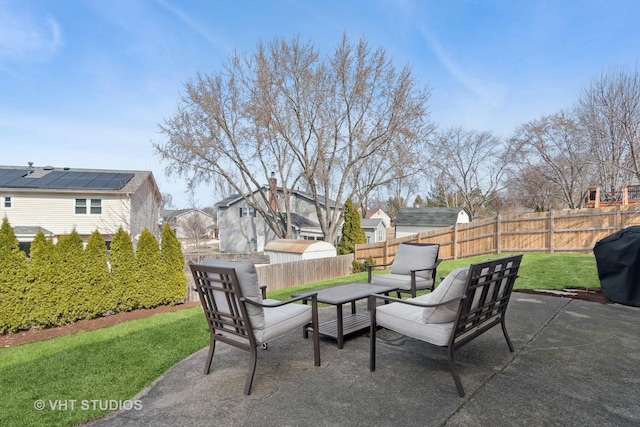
(618, 261)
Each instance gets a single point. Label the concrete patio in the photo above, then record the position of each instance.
(575, 363)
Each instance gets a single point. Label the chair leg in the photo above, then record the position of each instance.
(212, 348)
(372, 336)
(316, 333)
(454, 373)
(506, 335)
(252, 370)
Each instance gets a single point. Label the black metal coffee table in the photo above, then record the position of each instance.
(343, 294)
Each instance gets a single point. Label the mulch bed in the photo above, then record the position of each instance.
(31, 335)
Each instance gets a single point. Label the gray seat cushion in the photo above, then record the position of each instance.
(408, 320)
(279, 321)
(401, 281)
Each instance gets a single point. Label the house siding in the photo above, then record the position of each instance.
(60, 217)
(249, 234)
(133, 207)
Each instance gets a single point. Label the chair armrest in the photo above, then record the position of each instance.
(433, 267)
(373, 298)
(312, 297)
(371, 267)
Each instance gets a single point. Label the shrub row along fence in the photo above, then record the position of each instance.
(575, 230)
(64, 282)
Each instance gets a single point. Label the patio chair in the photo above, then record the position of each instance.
(468, 302)
(239, 314)
(413, 268)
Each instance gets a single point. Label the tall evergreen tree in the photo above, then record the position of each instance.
(352, 232)
(124, 275)
(69, 275)
(97, 288)
(41, 281)
(14, 307)
(174, 277)
(149, 270)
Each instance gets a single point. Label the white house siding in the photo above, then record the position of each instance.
(144, 208)
(56, 212)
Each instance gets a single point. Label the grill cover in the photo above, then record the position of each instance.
(618, 262)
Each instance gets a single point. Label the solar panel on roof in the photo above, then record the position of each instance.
(54, 179)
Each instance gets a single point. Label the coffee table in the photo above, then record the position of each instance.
(343, 294)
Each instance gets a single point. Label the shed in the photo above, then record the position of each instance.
(289, 250)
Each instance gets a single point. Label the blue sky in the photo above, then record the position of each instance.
(85, 83)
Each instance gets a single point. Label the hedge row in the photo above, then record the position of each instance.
(62, 282)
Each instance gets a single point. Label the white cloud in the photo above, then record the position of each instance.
(23, 37)
(194, 26)
(488, 93)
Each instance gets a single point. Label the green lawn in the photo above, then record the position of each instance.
(115, 363)
(538, 271)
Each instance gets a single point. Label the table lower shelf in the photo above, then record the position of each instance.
(351, 323)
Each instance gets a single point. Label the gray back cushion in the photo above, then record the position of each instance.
(414, 257)
(248, 279)
(452, 286)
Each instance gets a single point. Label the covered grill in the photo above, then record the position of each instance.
(618, 262)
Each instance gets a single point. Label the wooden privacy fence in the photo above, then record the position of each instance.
(575, 230)
(288, 274)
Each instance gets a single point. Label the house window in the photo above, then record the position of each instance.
(6, 201)
(246, 212)
(92, 206)
(96, 206)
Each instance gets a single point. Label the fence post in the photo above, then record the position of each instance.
(385, 254)
(455, 241)
(498, 233)
(551, 225)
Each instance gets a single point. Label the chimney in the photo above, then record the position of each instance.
(273, 191)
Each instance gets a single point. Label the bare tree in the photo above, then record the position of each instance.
(609, 111)
(470, 162)
(529, 187)
(316, 122)
(553, 149)
(167, 201)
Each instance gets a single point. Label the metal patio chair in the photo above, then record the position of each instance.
(239, 314)
(413, 268)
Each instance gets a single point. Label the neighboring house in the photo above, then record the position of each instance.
(416, 220)
(58, 200)
(241, 229)
(379, 213)
(374, 229)
(191, 225)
